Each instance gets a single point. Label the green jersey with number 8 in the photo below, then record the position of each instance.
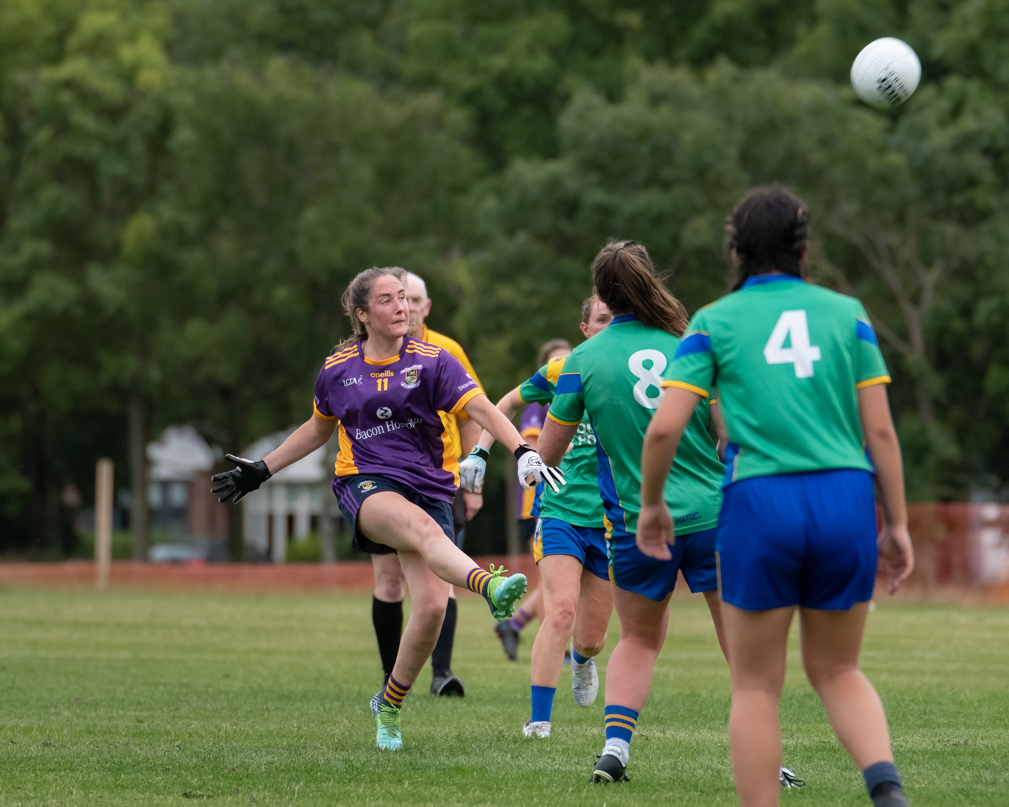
(578, 502)
(616, 378)
(788, 360)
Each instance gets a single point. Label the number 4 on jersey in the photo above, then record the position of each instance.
(792, 326)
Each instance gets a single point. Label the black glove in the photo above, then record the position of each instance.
(234, 485)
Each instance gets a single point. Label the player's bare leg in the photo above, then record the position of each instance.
(831, 641)
(428, 599)
(595, 605)
(629, 676)
(561, 576)
(387, 518)
(757, 644)
(715, 608)
(642, 633)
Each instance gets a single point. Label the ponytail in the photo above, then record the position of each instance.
(625, 280)
(766, 232)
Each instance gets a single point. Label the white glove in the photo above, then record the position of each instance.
(531, 464)
(473, 469)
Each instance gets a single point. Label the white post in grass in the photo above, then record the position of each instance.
(103, 521)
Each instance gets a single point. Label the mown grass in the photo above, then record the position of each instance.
(166, 699)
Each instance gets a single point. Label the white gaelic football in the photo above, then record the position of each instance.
(885, 73)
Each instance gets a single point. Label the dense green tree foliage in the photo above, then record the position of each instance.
(186, 187)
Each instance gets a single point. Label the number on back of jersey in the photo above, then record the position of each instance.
(793, 328)
(649, 378)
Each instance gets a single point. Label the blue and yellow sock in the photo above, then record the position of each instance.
(394, 693)
(620, 723)
(478, 580)
(543, 703)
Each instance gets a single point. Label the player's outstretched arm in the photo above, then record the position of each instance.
(532, 469)
(895, 549)
(248, 475)
(655, 525)
(473, 469)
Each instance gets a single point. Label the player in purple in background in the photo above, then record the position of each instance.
(383, 390)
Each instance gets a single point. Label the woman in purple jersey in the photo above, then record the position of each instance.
(383, 391)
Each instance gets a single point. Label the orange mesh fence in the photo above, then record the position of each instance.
(960, 549)
(960, 545)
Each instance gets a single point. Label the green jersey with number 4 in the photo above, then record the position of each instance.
(616, 378)
(578, 502)
(788, 360)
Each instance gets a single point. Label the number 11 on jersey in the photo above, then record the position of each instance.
(792, 325)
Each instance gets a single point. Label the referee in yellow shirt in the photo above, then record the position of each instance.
(461, 434)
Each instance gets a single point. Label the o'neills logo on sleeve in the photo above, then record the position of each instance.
(411, 376)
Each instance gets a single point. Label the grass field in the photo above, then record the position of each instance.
(153, 699)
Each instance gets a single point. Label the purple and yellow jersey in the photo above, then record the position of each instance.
(448, 419)
(530, 425)
(389, 414)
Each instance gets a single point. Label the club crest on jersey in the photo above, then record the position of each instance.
(411, 376)
(384, 413)
(365, 486)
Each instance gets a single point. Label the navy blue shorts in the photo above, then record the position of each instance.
(351, 491)
(587, 544)
(798, 539)
(693, 554)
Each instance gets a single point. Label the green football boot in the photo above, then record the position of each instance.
(504, 592)
(388, 720)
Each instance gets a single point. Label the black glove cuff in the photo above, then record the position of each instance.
(522, 449)
(481, 452)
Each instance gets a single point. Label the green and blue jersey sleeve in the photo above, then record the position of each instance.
(871, 366)
(568, 406)
(693, 366)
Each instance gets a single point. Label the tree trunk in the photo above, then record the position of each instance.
(44, 501)
(138, 415)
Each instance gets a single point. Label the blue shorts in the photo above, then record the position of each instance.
(351, 491)
(798, 539)
(587, 544)
(693, 554)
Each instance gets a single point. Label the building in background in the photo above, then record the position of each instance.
(289, 506)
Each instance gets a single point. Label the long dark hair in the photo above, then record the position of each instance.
(625, 280)
(356, 296)
(767, 232)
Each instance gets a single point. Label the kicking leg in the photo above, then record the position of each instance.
(387, 518)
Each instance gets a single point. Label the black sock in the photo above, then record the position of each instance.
(387, 617)
(441, 658)
(881, 779)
